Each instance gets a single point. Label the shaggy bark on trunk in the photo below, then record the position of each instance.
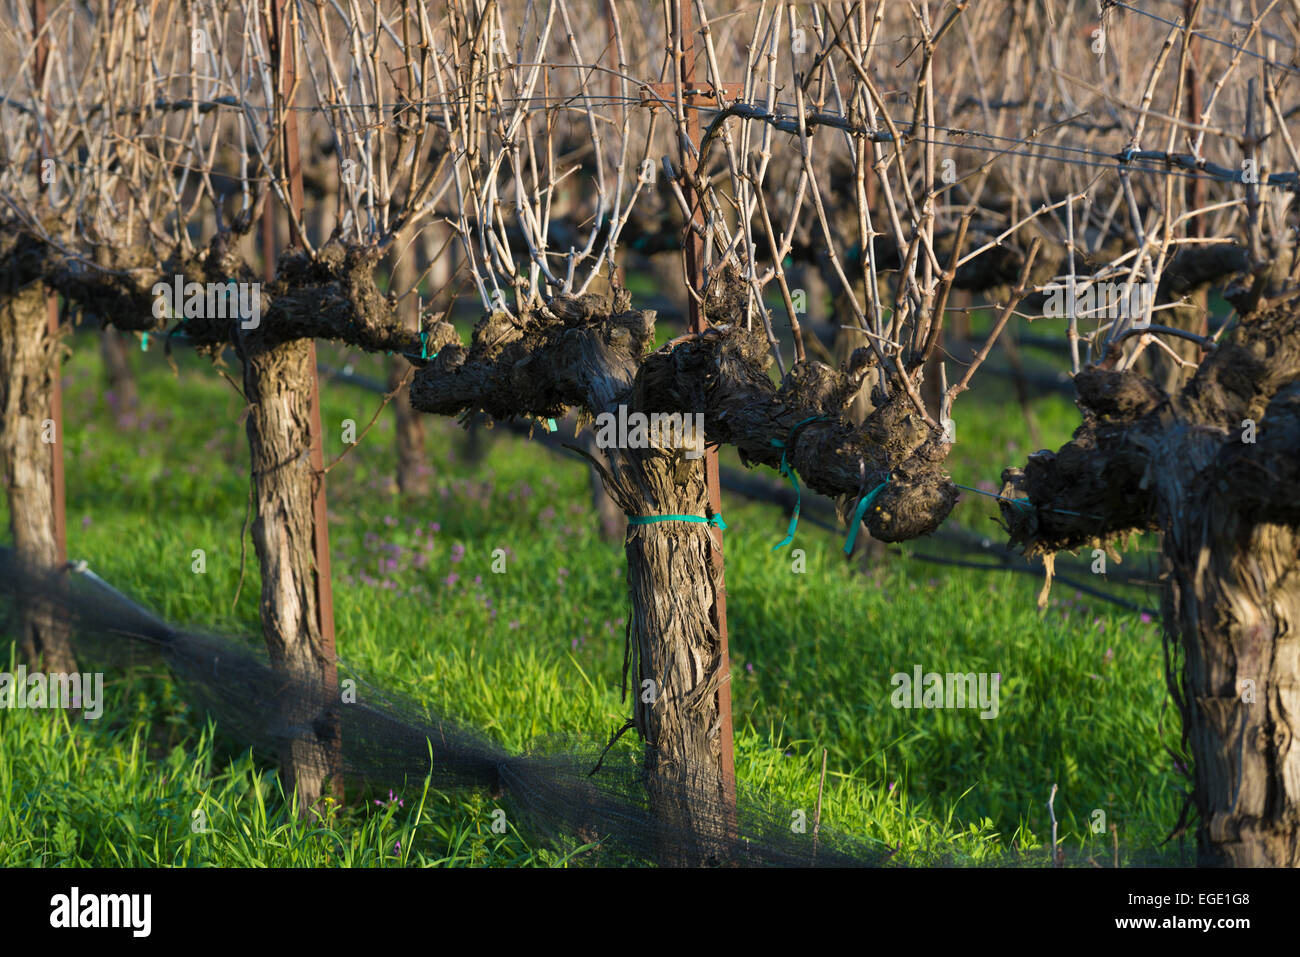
(1213, 467)
(29, 361)
(676, 664)
(334, 296)
(673, 663)
(277, 380)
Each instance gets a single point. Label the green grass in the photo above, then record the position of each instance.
(536, 652)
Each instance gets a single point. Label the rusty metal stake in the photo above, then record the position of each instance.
(695, 276)
(57, 483)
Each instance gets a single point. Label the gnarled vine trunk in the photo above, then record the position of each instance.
(1233, 595)
(29, 362)
(1215, 468)
(676, 665)
(278, 385)
(591, 352)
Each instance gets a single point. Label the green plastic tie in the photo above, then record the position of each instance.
(715, 520)
(788, 471)
(144, 342)
(863, 504)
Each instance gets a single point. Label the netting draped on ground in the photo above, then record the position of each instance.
(391, 741)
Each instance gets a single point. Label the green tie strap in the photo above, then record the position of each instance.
(861, 510)
(714, 520)
(788, 471)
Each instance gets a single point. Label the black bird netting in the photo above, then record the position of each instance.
(572, 793)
